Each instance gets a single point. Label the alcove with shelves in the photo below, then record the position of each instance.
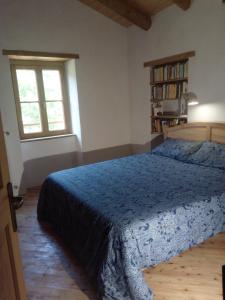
(169, 81)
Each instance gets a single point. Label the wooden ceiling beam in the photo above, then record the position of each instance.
(184, 4)
(125, 10)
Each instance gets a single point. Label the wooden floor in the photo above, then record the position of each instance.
(51, 270)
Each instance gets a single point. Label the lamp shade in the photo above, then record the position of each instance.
(191, 98)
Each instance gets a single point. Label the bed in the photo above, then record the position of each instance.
(124, 215)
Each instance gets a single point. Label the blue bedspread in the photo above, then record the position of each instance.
(127, 214)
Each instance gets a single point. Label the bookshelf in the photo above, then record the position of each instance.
(168, 81)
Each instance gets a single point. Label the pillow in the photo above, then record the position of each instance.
(177, 149)
(210, 155)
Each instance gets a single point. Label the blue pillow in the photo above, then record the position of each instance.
(177, 149)
(210, 155)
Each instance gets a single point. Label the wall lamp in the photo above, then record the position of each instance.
(190, 98)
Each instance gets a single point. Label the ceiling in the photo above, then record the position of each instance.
(133, 12)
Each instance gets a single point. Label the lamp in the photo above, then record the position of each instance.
(190, 98)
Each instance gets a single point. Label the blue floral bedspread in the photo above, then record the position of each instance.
(127, 214)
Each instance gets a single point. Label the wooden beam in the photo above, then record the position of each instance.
(184, 4)
(123, 9)
(37, 54)
(169, 59)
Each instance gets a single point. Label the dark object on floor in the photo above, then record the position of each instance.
(14, 203)
(12, 210)
(223, 278)
(17, 202)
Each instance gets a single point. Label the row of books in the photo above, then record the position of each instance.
(169, 91)
(170, 72)
(159, 124)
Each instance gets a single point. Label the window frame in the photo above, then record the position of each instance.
(38, 66)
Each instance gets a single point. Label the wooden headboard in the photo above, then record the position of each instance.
(213, 132)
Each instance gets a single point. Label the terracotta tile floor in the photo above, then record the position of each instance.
(51, 271)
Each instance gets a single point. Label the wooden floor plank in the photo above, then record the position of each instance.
(52, 272)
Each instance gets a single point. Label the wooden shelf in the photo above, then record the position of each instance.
(170, 59)
(160, 100)
(168, 81)
(168, 117)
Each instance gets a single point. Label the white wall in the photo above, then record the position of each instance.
(201, 28)
(8, 114)
(68, 26)
(48, 147)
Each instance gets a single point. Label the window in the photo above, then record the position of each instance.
(40, 95)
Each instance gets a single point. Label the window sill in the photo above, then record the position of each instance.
(48, 138)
